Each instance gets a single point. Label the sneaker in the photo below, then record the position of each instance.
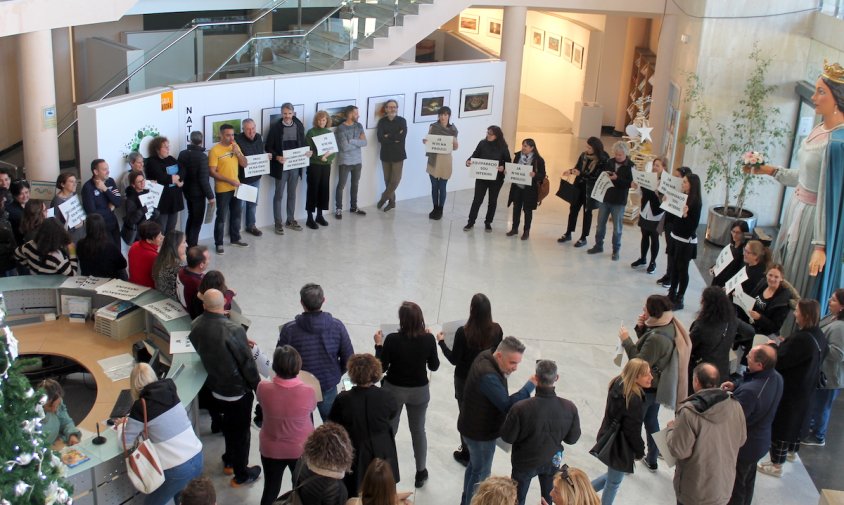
(468, 227)
(653, 468)
(421, 477)
(651, 268)
(792, 456)
(580, 243)
(338, 214)
(461, 456)
(564, 238)
(254, 231)
(813, 440)
(770, 469)
(228, 469)
(512, 232)
(252, 474)
(615, 256)
(240, 243)
(312, 224)
(639, 262)
(664, 281)
(220, 250)
(321, 221)
(279, 229)
(380, 203)
(487, 227)
(391, 205)
(357, 211)
(596, 249)
(293, 225)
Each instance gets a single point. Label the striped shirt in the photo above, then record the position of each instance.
(56, 262)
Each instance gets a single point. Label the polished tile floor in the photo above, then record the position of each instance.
(562, 303)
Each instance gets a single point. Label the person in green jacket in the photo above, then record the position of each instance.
(57, 423)
(318, 173)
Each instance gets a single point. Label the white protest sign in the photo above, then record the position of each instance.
(670, 183)
(517, 173)
(483, 169)
(661, 441)
(155, 191)
(439, 144)
(180, 343)
(745, 301)
(736, 281)
(604, 183)
(90, 283)
(724, 259)
(51, 212)
(166, 310)
(296, 158)
(257, 164)
(122, 290)
(325, 143)
(73, 212)
(246, 193)
(148, 201)
(674, 202)
(646, 180)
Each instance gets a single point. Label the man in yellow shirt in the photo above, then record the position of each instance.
(223, 162)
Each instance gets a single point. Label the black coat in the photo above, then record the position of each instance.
(529, 196)
(631, 418)
(194, 165)
(586, 180)
(799, 363)
(759, 395)
(155, 169)
(391, 136)
(487, 150)
(275, 144)
(711, 343)
(617, 193)
(772, 312)
(249, 148)
(733, 268)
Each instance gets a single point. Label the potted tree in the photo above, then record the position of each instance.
(752, 126)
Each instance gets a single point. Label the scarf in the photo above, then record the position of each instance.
(437, 128)
(591, 163)
(678, 374)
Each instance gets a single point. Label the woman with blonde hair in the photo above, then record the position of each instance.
(625, 409)
(572, 487)
(157, 405)
(495, 490)
(318, 173)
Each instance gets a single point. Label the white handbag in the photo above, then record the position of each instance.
(142, 462)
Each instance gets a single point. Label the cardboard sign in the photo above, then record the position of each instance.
(296, 158)
(439, 144)
(155, 191)
(73, 213)
(670, 183)
(646, 180)
(517, 173)
(483, 169)
(148, 200)
(166, 310)
(744, 300)
(246, 193)
(725, 257)
(122, 290)
(602, 185)
(325, 144)
(736, 281)
(674, 202)
(257, 164)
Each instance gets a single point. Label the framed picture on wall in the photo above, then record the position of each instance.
(469, 23)
(375, 108)
(494, 28)
(553, 43)
(428, 103)
(476, 101)
(215, 121)
(42, 190)
(577, 56)
(335, 110)
(568, 48)
(272, 114)
(537, 38)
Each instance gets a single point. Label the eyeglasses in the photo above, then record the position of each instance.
(564, 473)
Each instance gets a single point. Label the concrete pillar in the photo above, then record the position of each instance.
(512, 51)
(38, 106)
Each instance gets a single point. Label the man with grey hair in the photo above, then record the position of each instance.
(250, 143)
(537, 428)
(619, 168)
(391, 131)
(193, 162)
(486, 402)
(286, 133)
(322, 341)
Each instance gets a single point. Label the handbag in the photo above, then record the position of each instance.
(568, 191)
(543, 190)
(822, 380)
(611, 447)
(292, 497)
(142, 462)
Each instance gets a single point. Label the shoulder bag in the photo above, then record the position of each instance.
(142, 462)
(822, 380)
(611, 446)
(568, 191)
(292, 497)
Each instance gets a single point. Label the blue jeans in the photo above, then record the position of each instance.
(819, 414)
(324, 407)
(609, 482)
(228, 209)
(438, 190)
(249, 213)
(290, 179)
(479, 468)
(604, 212)
(651, 425)
(546, 481)
(175, 479)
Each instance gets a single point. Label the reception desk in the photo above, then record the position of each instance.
(100, 480)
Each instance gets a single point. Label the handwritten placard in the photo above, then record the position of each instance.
(736, 280)
(602, 185)
(257, 164)
(745, 301)
(296, 158)
(724, 259)
(517, 173)
(90, 283)
(73, 213)
(180, 343)
(246, 193)
(439, 144)
(148, 201)
(674, 202)
(646, 180)
(121, 290)
(670, 183)
(166, 310)
(325, 143)
(483, 169)
(155, 191)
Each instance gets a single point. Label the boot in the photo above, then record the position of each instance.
(433, 213)
(438, 212)
(678, 302)
(461, 455)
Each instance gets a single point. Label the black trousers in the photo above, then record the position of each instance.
(482, 187)
(273, 473)
(196, 215)
(518, 205)
(745, 482)
(237, 419)
(317, 192)
(583, 201)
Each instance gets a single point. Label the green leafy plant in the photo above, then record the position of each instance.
(752, 126)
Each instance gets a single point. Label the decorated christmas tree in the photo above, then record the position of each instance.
(639, 136)
(32, 473)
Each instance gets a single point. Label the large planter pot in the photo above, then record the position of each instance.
(718, 224)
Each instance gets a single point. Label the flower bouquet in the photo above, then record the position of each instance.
(753, 159)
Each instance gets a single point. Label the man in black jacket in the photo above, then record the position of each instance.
(537, 428)
(232, 377)
(392, 131)
(286, 133)
(619, 169)
(250, 143)
(194, 162)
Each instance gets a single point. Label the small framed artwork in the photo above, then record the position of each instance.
(577, 56)
(537, 38)
(568, 48)
(375, 108)
(42, 190)
(335, 110)
(553, 43)
(469, 23)
(476, 101)
(494, 28)
(213, 123)
(428, 103)
(272, 114)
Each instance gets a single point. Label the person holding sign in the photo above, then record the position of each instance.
(493, 147)
(771, 307)
(391, 131)
(197, 189)
(667, 221)
(351, 138)
(101, 196)
(165, 170)
(440, 165)
(224, 161)
(136, 211)
(650, 216)
(683, 243)
(619, 170)
(66, 184)
(589, 164)
(251, 143)
(523, 196)
(319, 173)
(737, 243)
(286, 134)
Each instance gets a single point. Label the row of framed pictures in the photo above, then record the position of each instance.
(557, 45)
(470, 23)
(473, 102)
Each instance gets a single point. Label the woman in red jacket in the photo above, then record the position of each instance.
(142, 254)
